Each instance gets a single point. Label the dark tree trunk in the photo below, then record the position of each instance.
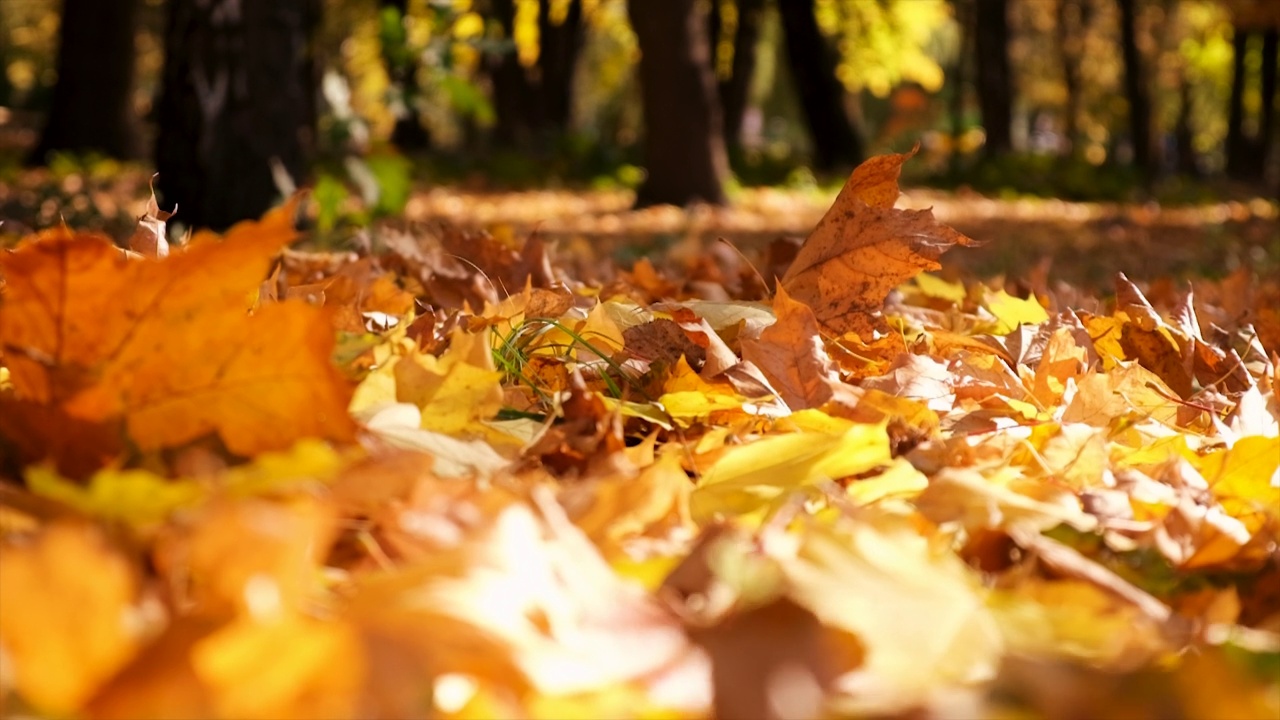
(735, 90)
(813, 67)
(402, 68)
(535, 102)
(92, 102)
(957, 80)
(513, 103)
(238, 100)
(557, 60)
(683, 142)
(1267, 128)
(1182, 132)
(1237, 144)
(1135, 89)
(994, 79)
(1070, 27)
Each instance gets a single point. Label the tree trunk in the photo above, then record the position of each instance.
(237, 101)
(1237, 145)
(813, 67)
(532, 103)
(957, 76)
(735, 90)
(402, 68)
(1135, 89)
(683, 142)
(994, 79)
(1267, 128)
(513, 104)
(1070, 27)
(1182, 132)
(92, 102)
(561, 43)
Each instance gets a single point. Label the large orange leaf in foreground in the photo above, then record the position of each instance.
(164, 350)
(864, 247)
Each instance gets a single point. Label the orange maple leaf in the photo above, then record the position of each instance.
(165, 350)
(864, 247)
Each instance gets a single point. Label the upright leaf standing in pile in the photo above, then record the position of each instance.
(864, 247)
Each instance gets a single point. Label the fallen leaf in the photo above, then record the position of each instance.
(136, 497)
(175, 355)
(456, 390)
(919, 378)
(791, 355)
(527, 590)
(918, 611)
(863, 248)
(1080, 621)
(150, 238)
(401, 425)
(772, 662)
(977, 502)
(754, 477)
(254, 557)
(622, 507)
(1010, 312)
(71, 617)
(281, 667)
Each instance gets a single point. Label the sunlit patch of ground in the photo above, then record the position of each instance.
(1086, 242)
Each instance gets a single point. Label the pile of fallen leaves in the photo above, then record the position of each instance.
(444, 476)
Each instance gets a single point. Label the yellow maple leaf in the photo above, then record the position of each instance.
(69, 620)
(456, 390)
(753, 477)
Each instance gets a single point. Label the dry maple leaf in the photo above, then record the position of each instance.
(165, 347)
(791, 355)
(864, 247)
(150, 239)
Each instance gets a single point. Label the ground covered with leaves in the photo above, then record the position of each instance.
(455, 474)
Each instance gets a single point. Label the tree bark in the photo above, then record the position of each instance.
(957, 78)
(994, 79)
(557, 60)
(1070, 27)
(1267, 128)
(1135, 89)
(513, 106)
(735, 90)
(812, 61)
(92, 102)
(238, 97)
(532, 103)
(1237, 144)
(1182, 133)
(683, 142)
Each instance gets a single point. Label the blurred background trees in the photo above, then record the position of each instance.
(236, 112)
(1076, 98)
(92, 105)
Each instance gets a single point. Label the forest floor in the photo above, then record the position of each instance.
(1085, 244)
(1077, 243)
(615, 473)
